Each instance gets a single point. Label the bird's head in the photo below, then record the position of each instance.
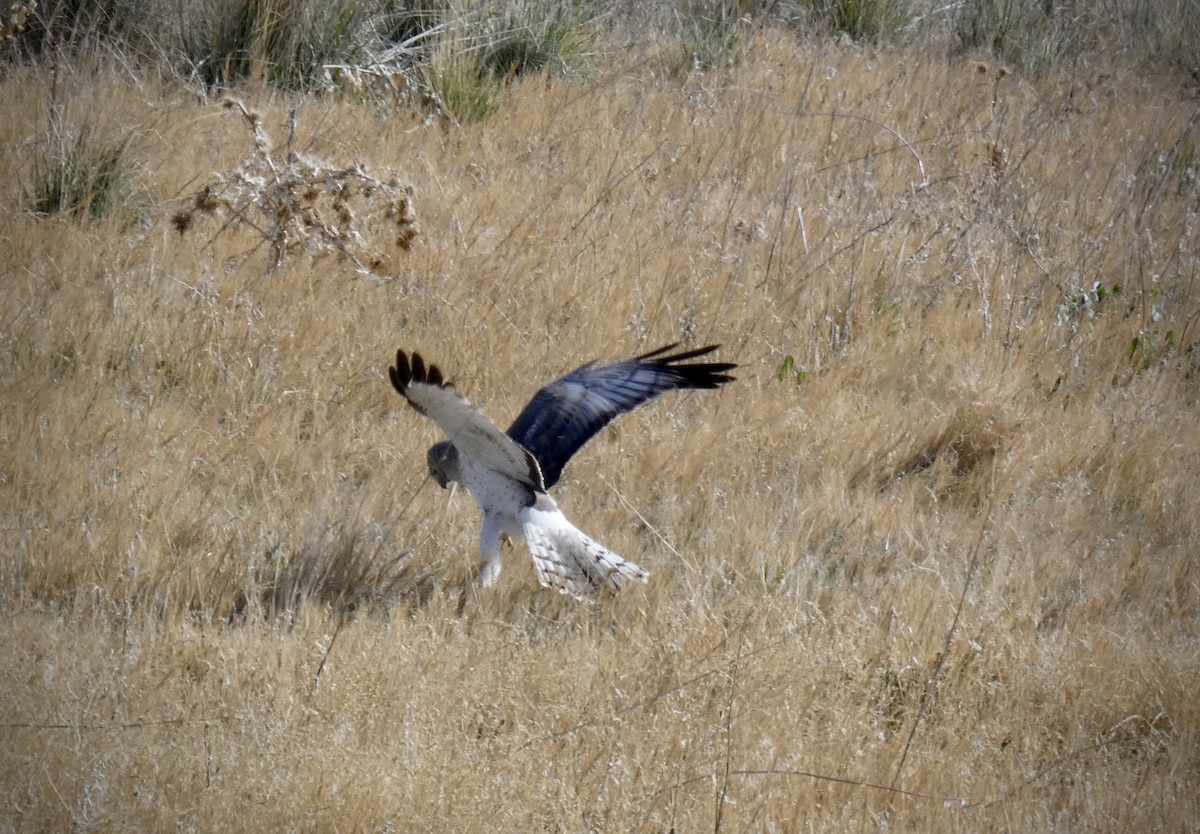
(443, 463)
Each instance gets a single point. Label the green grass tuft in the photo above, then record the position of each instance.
(538, 36)
(84, 177)
(286, 44)
(711, 38)
(864, 20)
(463, 89)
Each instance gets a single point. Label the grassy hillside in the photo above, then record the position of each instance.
(930, 564)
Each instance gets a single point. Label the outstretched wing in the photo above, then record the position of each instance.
(475, 436)
(568, 412)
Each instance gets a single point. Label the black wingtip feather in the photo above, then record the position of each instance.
(659, 359)
(660, 351)
(689, 354)
(710, 376)
(407, 371)
(401, 373)
(706, 375)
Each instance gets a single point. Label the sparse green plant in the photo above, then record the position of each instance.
(789, 371)
(529, 36)
(74, 26)
(84, 176)
(1033, 37)
(460, 87)
(1078, 304)
(476, 51)
(1152, 346)
(285, 43)
(889, 311)
(712, 38)
(1166, 31)
(863, 20)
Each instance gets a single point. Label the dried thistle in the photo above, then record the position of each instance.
(303, 204)
(16, 18)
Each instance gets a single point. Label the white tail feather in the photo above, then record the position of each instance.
(571, 562)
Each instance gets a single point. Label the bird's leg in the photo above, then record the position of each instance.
(489, 572)
(489, 550)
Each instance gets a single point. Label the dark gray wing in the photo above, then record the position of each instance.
(568, 412)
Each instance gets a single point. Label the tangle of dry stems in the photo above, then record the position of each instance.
(304, 204)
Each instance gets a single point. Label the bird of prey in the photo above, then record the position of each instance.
(510, 472)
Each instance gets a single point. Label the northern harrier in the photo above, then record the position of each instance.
(509, 473)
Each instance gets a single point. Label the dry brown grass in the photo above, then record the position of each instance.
(943, 579)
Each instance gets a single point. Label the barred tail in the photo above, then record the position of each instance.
(571, 562)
